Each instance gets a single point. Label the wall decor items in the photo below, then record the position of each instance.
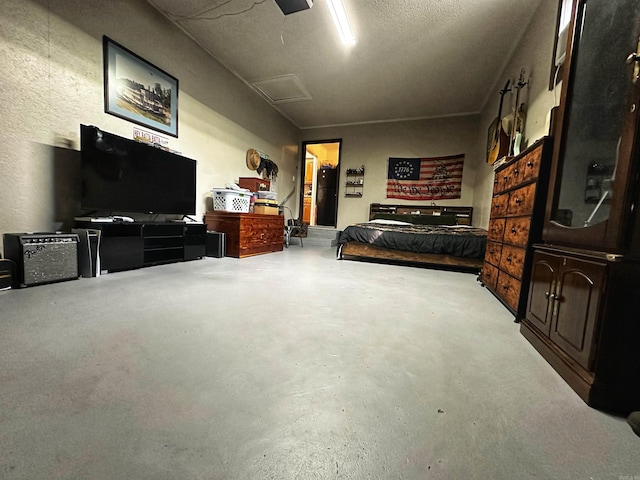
(138, 91)
(436, 178)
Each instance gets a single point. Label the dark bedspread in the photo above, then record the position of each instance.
(459, 241)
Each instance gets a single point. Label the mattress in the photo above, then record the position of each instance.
(456, 240)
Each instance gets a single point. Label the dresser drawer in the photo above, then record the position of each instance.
(516, 231)
(253, 235)
(508, 288)
(499, 205)
(492, 253)
(248, 234)
(489, 276)
(496, 229)
(521, 201)
(503, 179)
(529, 165)
(512, 260)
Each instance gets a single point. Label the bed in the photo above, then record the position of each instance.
(430, 235)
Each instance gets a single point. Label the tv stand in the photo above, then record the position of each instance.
(129, 245)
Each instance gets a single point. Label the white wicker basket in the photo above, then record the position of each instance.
(263, 194)
(231, 200)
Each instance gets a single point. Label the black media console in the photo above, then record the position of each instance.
(127, 245)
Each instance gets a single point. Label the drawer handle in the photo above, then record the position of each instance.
(518, 201)
(509, 259)
(529, 164)
(513, 230)
(505, 177)
(505, 287)
(516, 172)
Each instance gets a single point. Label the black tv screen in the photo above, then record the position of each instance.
(121, 176)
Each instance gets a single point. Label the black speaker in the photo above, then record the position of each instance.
(42, 257)
(216, 244)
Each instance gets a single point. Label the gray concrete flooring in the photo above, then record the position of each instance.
(291, 365)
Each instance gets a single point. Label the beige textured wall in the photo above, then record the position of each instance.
(51, 63)
(52, 81)
(533, 53)
(371, 145)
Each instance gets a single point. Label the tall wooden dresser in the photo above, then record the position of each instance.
(583, 309)
(517, 214)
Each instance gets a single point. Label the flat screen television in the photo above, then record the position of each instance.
(125, 176)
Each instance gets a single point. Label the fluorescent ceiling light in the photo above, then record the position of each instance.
(342, 23)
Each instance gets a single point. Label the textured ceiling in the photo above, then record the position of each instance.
(412, 59)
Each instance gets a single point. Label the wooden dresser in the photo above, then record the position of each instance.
(517, 214)
(247, 233)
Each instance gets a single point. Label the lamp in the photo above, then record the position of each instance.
(342, 23)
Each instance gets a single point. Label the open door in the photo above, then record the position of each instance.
(319, 189)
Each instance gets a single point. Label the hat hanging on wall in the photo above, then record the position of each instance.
(253, 159)
(259, 161)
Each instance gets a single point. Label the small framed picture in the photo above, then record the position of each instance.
(138, 91)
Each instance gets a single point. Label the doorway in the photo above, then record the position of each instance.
(319, 182)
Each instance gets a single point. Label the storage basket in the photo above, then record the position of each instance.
(231, 200)
(267, 195)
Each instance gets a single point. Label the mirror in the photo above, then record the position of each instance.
(595, 111)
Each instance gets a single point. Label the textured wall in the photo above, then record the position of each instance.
(533, 53)
(51, 63)
(371, 145)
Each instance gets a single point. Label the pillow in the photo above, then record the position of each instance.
(388, 222)
(418, 219)
(393, 216)
(434, 219)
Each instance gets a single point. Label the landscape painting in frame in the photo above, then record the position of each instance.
(138, 91)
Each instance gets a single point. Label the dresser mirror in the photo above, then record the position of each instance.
(592, 153)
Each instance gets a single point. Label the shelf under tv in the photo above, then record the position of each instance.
(129, 245)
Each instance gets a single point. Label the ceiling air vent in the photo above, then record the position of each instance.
(282, 89)
(293, 6)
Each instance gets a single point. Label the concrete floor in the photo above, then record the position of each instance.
(290, 365)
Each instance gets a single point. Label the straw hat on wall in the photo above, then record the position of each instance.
(253, 159)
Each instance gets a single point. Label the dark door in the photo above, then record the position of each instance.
(541, 293)
(326, 196)
(576, 304)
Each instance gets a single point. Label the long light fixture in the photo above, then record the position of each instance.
(341, 21)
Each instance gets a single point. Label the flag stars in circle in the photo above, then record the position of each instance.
(403, 170)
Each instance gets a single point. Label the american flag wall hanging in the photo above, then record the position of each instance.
(437, 178)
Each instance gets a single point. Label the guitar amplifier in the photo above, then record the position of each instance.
(42, 257)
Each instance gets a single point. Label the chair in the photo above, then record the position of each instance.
(293, 228)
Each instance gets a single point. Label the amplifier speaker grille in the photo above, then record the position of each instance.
(43, 258)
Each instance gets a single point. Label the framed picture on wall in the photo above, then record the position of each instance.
(563, 30)
(138, 91)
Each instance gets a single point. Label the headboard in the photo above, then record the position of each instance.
(464, 215)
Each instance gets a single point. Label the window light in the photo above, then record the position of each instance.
(342, 23)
